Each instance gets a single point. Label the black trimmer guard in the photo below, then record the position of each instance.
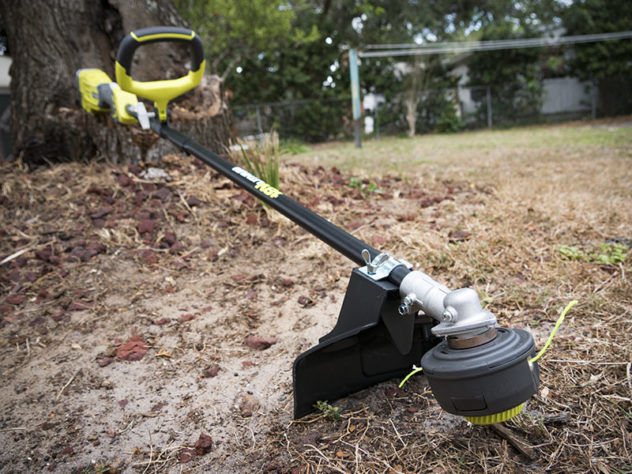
(370, 343)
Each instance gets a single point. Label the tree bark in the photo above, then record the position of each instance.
(50, 40)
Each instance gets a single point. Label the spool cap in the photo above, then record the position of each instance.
(488, 379)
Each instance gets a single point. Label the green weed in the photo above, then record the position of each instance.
(262, 160)
(364, 185)
(571, 252)
(607, 254)
(330, 412)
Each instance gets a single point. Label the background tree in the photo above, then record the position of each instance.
(49, 41)
(512, 75)
(608, 62)
(235, 30)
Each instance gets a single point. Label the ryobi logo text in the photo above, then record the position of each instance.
(260, 185)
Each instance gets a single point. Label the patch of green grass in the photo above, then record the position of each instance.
(292, 146)
(402, 155)
(607, 254)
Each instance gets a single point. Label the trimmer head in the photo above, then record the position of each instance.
(486, 379)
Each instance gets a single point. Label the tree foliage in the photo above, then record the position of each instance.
(296, 50)
(607, 58)
(235, 30)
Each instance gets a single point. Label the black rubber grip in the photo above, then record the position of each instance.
(106, 99)
(129, 44)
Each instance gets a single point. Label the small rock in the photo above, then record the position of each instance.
(15, 299)
(79, 306)
(136, 169)
(186, 454)
(192, 201)
(458, 236)
(203, 445)
(287, 282)
(149, 257)
(169, 238)
(176, 247)
(124, 181)
(103, 211)
(58, 316)
(239, 277)
(179, 264)
(259, 343)
(146, 226)
(186, 317)
(304, 301)
(248, 405)
(164, 194)
(378, 240)
(158, 406)
(155, 173)
(211, 372)
(311, 437)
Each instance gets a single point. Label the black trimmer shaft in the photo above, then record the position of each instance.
(345, 243)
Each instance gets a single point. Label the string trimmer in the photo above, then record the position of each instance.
(392, 316)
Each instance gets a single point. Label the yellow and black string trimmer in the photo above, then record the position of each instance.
(392, 316)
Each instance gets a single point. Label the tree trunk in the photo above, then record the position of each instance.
(411, 102)
(50, 40)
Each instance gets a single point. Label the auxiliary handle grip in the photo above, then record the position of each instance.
(161, 92)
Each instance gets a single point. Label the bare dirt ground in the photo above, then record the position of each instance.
(151, 326)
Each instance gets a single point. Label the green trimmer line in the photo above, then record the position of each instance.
(392, 316)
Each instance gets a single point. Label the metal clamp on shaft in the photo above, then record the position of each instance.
(381, 266)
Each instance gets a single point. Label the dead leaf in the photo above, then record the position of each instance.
(203, 445)
(260, 343)
(162, 353)
(134, 349)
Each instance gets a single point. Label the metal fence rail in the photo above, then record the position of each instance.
(453, 109)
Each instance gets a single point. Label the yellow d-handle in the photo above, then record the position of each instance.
(161, 92)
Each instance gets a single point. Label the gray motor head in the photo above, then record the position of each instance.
(486, 383)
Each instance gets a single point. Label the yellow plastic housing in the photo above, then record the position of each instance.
(121, 100)
(496, 417)
(161, 92)
(88, 81)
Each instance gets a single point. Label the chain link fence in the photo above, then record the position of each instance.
(308, 120)
(436, 110)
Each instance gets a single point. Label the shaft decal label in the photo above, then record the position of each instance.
(260, 185)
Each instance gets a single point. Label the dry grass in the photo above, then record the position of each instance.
(529, 193)
(487, 210)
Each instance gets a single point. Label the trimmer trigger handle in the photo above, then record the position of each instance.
(99, 94)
